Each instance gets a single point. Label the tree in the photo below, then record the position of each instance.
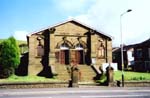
(9, 55)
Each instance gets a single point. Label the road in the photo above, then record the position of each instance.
(95, 92)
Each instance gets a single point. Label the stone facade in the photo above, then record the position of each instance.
(70, 40)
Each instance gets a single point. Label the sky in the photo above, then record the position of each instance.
(20, 17)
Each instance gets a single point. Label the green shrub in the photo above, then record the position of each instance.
(138, 78)
(9, 56)
(102, 79)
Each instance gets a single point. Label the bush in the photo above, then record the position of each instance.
(102, 79)
(138, 78)
(9, 56)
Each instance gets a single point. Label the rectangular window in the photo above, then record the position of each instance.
(40, 51)
(57, 56)
(139, 53)
(132, 53)
(149, 52)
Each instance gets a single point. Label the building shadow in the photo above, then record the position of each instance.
(22, 69)
(88, 53)
(46, 72)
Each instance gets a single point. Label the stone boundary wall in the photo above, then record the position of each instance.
(131, 84)
(137, 84)
(66, 84)
(34, 85)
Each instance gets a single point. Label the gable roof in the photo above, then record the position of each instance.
(144, 43)
(75, 21)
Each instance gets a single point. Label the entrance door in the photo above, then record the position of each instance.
(80, 56)
(73, 56)
(77, 56)
(64, 57)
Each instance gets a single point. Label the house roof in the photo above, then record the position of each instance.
(125, 47)
(144, 43)
(72, 20)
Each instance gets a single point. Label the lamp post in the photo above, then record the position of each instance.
(122, 58)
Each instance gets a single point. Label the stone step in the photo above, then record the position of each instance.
(87, 73)
(62, 73)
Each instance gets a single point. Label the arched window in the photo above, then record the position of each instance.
(40, 50)
(79, 46)
(101, 50)
(64, 46)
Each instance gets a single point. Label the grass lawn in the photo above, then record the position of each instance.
(128, 76)
(131, 76)
(24, 79)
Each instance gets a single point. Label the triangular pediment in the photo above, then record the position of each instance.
(71, 28)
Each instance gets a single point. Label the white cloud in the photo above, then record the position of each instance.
(20, 35)
(105, 16)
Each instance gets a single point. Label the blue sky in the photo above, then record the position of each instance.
(20, 17)
(30, 15)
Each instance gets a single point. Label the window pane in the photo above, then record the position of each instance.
(40, 50)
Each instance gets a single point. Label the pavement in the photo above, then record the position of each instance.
(92, 92)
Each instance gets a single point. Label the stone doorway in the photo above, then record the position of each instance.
(64, 57)
(78, 56)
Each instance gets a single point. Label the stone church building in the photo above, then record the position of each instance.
(57, 45)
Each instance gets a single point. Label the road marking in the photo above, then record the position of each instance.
(114, 96)
(36, 97)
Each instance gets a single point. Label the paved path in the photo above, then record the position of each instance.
(96, 92)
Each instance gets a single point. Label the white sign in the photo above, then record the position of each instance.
(113, 65)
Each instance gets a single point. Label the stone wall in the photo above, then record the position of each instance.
(131, 84)
(71, 31)
(34, 85)
(34, 61)
(109, 50)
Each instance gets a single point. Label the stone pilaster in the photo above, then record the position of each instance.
(109, 51)
(34, 63)
(52, 49)
(93, 45)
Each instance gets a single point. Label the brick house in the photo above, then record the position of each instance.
(137, 56)
(142, 56)
(67, 41)
(128, 56)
